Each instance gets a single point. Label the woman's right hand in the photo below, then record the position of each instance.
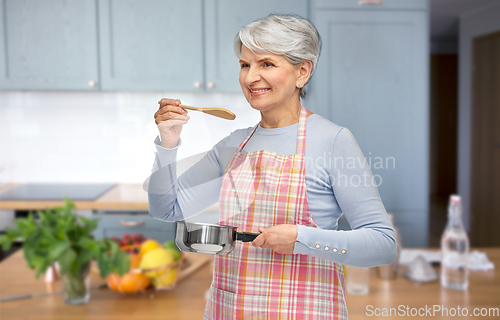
(170, 118)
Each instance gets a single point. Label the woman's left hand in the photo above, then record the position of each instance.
(280, 238)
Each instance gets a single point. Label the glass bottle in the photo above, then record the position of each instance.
(454, 249)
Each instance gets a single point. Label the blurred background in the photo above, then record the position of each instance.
(415, 81)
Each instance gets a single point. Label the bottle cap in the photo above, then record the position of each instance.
(455, 199)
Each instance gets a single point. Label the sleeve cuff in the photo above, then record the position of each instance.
(328, 244)
(158, 144)
(165, 156)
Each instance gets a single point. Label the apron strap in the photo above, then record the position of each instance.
(301, 133)
(244, 142)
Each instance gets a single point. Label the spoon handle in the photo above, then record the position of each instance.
(217, 112)
(190, 108)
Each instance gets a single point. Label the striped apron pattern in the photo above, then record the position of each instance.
(264, 189)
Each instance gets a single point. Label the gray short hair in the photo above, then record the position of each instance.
(290, 36)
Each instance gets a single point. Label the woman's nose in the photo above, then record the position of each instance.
(252, 76)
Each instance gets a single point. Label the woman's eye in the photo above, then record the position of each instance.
(244, 65)
(268, 64)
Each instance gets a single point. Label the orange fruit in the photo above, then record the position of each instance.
(128, 283)
(113, 281)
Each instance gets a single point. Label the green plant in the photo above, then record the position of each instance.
(59, 235)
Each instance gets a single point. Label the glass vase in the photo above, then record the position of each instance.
(76, 287)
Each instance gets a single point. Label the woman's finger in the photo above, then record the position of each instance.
(179, 119)
(167, 101)
(172, 120)
(172, 108)
(259, 240)
(168, 116)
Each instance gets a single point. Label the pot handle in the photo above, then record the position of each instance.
(246, 236)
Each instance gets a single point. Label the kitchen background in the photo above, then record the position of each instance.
(415, 81)
(78, 95)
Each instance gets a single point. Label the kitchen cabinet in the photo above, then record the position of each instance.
(48, 45)
(223, 20)
(164, 45)
(177, 45)
(151, 45)
(372, 78)
(118, 224)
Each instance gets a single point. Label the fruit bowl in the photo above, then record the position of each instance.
(163, 276)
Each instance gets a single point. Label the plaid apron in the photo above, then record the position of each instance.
(264, 189)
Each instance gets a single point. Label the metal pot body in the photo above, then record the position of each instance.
(205, 238)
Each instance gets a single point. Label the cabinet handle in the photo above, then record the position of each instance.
(92, 84)
(197, 84)
(131, 223)
(370, 2)
(211, 84)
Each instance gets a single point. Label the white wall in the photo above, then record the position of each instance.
(480, 22)
(48, 136)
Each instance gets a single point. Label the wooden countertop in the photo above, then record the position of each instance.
(120, 197)
(187, 300)
(483, 292)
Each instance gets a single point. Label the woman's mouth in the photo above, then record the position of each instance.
(258, 91)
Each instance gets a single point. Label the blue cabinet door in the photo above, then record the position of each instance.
(223, 20)
(48, 45)
(151, 44)
(372, 78)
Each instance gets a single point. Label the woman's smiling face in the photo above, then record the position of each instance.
(268, 80)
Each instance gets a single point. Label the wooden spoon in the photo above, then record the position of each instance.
(218, 112)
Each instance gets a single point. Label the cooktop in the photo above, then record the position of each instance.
(57, 191)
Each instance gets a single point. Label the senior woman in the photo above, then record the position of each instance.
(294, 166)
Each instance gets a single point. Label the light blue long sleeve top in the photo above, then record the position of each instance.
(338, 181)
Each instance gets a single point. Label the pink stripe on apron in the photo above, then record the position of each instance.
(264, 189)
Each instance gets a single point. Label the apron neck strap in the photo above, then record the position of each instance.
(301, 133)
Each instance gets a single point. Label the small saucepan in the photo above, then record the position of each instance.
(209, 238)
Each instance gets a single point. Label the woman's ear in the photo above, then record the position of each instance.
(305, 69)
